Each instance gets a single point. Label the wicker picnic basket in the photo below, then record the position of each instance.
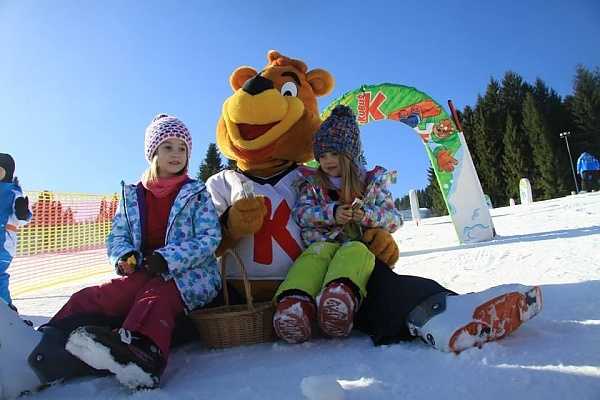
(235, 325)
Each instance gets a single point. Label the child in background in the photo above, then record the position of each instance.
(162, 241)
(332, 273)
(14, 212)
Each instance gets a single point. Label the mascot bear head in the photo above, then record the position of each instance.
(268, 123)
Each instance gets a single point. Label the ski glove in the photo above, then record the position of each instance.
(129, 258)
(156, 264)
(22, 208)
(245, 217)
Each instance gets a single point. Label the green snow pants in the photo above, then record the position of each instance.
(324, 262)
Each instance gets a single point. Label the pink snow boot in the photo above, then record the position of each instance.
(457, 322)
(293, 319)
(335, 313)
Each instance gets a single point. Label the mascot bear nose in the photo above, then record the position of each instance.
(257, 84)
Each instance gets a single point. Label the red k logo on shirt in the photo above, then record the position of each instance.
(275, 229)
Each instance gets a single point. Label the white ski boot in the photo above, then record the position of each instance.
(455, 323)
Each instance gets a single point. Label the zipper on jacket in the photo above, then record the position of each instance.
(180, 211)
(125, 211)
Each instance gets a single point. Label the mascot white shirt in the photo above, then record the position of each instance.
(269, 253)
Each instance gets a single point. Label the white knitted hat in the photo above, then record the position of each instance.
(165, 127)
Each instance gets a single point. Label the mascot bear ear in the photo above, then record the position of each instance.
(240, 76)
(321, 82)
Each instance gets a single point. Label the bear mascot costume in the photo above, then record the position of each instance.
(267, 127)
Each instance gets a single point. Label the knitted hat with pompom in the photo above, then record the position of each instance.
(339, 133)
(164, 127)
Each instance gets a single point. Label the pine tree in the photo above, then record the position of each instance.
(517, 160)
(403, 203)
(488, 131)
(585, 108)
(543, 182)
(424, 199)
(362, 158)
(434, 192)
(554, 112)
(513, 159)
(467, 120)
(211, 164)
(231, 164)
(512, 94)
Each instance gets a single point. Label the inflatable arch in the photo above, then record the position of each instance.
(445, 146)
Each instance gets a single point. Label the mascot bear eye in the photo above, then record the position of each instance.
(289, 89)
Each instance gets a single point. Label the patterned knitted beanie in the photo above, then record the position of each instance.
(7, 163)
(164, 127)
(339, 133)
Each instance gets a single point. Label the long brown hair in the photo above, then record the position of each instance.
(351, 186)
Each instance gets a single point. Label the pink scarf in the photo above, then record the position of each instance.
(163, 186)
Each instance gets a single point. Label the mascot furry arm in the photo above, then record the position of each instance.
(267, 127)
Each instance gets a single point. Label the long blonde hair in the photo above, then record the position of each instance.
(352, 186)
(151, 174)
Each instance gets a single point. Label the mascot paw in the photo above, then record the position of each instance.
(382, 244)
(246, 216)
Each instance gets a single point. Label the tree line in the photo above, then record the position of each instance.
(513, 132)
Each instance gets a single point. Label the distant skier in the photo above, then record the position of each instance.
(587, 168)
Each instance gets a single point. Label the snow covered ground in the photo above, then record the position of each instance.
(556, 355)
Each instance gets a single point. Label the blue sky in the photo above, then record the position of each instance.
(81, 80)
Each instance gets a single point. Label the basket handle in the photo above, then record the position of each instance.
(247, 287)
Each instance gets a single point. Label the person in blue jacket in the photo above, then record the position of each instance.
(587, 169)
(162, 244)
(14, 212)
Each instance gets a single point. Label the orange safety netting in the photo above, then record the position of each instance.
(64, 241)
